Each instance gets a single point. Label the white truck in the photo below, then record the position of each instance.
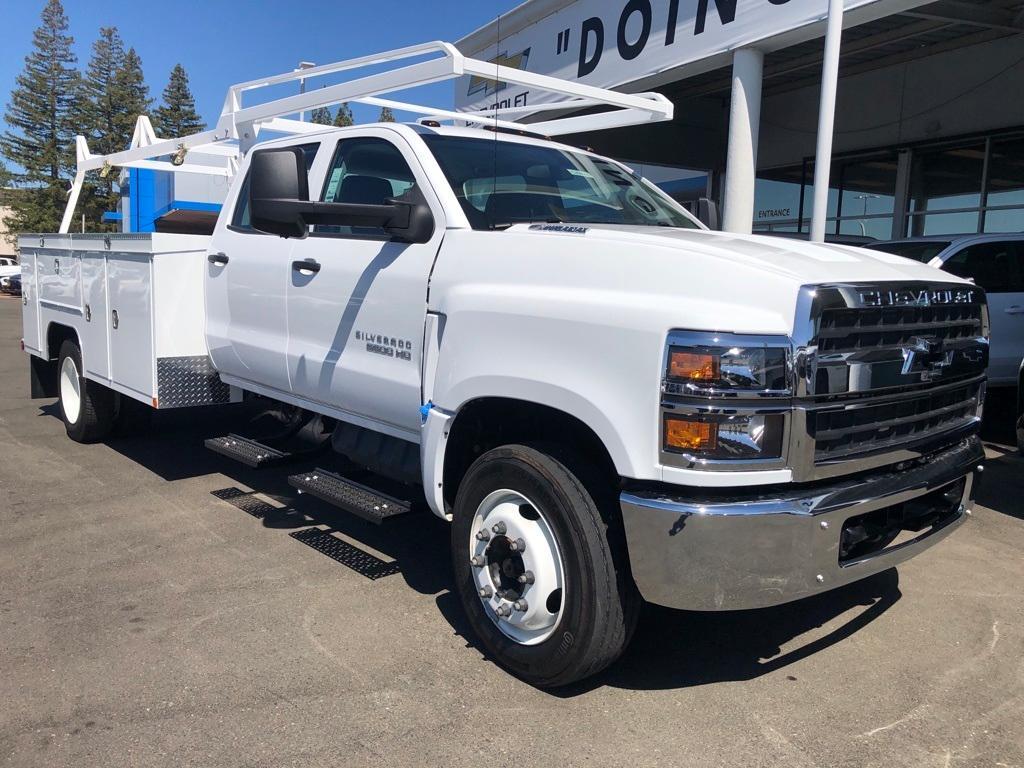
(607, 401)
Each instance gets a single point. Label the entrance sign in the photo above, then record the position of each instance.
(609, 43)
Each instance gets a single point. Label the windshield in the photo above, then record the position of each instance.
(501, 183)
(918, 250)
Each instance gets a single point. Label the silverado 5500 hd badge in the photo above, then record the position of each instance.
(572, 229)
(388, 346)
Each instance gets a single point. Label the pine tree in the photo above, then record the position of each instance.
(177, 115)
(343, 118)
(40, 140)
(134, 93)
(321, 116)
(113, 95)
(386, 116)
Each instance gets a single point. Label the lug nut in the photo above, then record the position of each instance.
(478, 561)
(521, 605)
(503, 610)
(517, 546)
(483, 535)
(485, 593)
(526, 577)
(499, 528)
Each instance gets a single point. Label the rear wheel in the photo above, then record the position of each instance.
(87, 408)
(537, 568)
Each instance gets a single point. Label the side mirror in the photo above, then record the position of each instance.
(417, 228)
(707, 213)
(279, 203)
(277, 182)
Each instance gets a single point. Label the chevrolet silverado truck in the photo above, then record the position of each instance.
(606, 401)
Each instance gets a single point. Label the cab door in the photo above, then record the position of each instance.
(246, 280)
(998, 267)
(357, 298)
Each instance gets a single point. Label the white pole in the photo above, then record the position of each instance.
(826, 118)
(69, 210)
(741, 156)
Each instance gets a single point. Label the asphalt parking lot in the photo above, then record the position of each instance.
(161, 605)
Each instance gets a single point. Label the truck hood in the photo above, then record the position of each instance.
(798, 260)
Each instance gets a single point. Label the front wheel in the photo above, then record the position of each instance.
(87, 408)
(537, 567)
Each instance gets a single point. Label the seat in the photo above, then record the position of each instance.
(364, 190)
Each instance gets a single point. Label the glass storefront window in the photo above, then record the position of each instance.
(944, 192)
(964, 222)
(1005, 220)
(947, 179)
(1005, 187)
(776, 203)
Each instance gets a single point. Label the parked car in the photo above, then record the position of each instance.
(994, 262)
(9, 266)
(11, 285)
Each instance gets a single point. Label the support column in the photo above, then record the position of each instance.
(741, 156)
(826, 118)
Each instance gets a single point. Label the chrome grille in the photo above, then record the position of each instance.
(877, 425)
(885, 372)
(855, 329)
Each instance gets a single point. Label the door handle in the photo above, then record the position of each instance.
(1016, 309)
(307, 266)
(218, 259)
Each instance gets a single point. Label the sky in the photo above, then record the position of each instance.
(220, 42)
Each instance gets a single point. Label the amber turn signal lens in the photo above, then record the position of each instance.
(693, 367)
(686, 435)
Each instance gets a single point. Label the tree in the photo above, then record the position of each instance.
(321, 116)
(113, 95)
(386, 116)
(343, 118)
(177, 115)
(40, 138)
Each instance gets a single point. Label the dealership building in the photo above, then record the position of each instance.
(928, 133)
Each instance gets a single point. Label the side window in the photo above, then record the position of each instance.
(367, 171)
(240, 216)
(996, 267)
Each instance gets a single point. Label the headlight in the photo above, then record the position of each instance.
(727, 364)
(720, 389)
(724, 435)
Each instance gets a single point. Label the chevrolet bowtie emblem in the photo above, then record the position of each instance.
(924, 354)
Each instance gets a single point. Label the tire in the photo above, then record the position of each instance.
(87, 408)
(599, 603)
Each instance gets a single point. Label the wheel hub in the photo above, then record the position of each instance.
(517, 567)
(505, 566)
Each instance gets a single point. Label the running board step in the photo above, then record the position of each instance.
(351, 496)
(249, 452)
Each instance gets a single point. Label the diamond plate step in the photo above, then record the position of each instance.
(351, 496)
(249, 452)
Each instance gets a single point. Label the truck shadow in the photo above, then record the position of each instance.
(682, 649)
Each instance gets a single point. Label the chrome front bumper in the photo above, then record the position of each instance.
(719, 553)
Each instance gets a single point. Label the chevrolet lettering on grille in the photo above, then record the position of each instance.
(914, 297)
